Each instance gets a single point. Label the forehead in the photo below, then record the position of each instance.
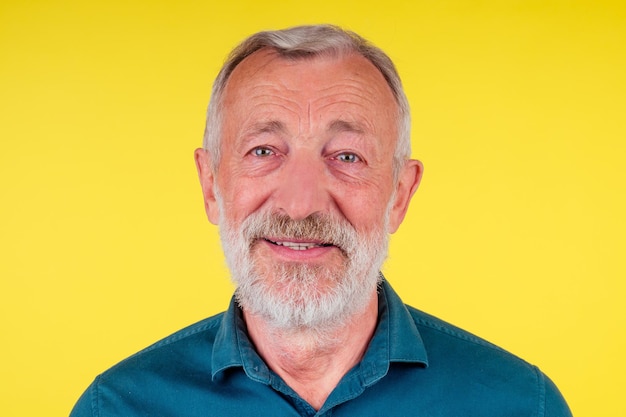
(318, 81)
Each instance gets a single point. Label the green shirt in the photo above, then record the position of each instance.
(415, 365)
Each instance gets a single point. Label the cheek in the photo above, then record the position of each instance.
(366, 211)
(242, 197)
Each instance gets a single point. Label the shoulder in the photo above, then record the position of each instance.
(202, 332)
(437, 330)
(188, 347)
(474, 369)
(151, 378)
(200, 335)
(450, 347)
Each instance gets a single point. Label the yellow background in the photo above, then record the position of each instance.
(516, 234)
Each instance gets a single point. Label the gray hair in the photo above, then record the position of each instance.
(305, 42)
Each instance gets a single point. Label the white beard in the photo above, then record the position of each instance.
(287, 295)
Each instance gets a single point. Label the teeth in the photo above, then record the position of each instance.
(298, 245)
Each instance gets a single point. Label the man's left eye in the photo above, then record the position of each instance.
(348, 157)
(260, 151)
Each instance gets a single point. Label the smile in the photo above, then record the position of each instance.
(298, 245)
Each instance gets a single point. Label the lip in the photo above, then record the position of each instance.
(298, 250)
(295, 242)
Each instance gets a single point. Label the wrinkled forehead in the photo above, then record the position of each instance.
(319, 91)
(347, 78)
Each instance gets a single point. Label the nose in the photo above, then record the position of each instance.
(302, 188)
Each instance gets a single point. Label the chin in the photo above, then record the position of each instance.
(304, 297)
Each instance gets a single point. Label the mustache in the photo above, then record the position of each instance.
(320, 227)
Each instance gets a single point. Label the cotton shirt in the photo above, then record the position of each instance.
(415, 365)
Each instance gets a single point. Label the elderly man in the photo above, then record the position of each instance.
(306, 170)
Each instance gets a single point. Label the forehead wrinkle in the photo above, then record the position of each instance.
(349, 119)
(265, 103)
(360, 88)
(267, 93)
(309, 117)
(353, 96)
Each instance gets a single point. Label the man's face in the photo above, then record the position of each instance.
(307, 146)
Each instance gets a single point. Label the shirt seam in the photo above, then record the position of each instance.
(459, 335)
(192, 330)
(95, 400)
(541, 392)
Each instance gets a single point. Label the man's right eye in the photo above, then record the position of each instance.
(261, 152)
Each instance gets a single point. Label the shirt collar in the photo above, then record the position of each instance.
(233, 347)
(396, 339)
(405, 341)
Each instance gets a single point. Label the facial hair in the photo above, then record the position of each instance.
(293, 296)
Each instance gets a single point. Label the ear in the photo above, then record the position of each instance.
(207, 181)
(408, 181)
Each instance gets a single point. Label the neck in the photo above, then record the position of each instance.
(312, 362)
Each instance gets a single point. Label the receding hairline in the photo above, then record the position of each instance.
(338, 42)
(274, 53)
(297, 58)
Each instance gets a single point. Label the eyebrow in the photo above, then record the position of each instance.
(271, 126)
(338, 126)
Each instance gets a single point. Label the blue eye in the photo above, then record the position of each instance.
(262, 152)
(348, 157)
